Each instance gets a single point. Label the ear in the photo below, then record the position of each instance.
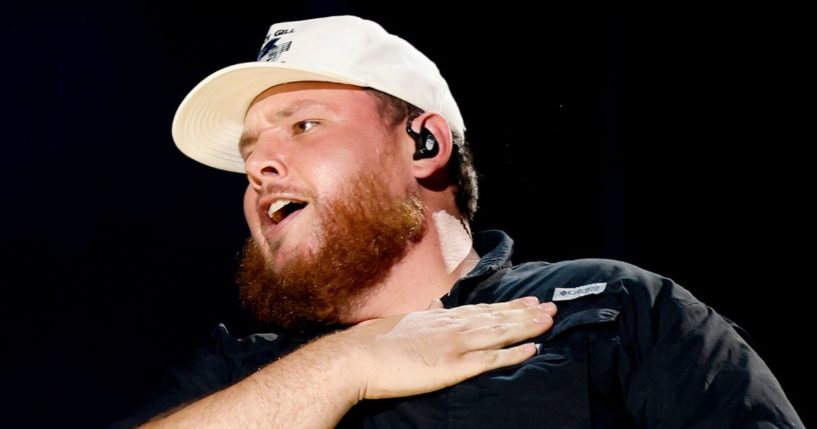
(425, 168)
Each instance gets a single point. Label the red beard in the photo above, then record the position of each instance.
(364, 233)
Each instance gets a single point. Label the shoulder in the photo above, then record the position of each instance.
(610, 270)
(617, 287)
(543, 278)
(584, 269)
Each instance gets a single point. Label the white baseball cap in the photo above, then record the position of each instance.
(342, 49)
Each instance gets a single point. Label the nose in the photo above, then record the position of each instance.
(264, 165)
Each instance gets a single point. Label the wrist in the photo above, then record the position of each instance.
(343, 365)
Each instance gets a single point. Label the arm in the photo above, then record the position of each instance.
(307, 388)
(391, 357)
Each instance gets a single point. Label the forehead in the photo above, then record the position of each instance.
(287, 98)
(342, 103)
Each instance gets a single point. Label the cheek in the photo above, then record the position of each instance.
(251, 213)
(335, 171)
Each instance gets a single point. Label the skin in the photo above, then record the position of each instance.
(399, 344)
(309, 165)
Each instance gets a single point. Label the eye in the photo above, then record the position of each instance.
(304, 126)
(245, 151)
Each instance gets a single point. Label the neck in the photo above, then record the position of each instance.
(444, 255)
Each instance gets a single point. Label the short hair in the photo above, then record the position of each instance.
(461, 171)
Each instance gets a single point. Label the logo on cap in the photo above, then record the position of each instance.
(270, 52)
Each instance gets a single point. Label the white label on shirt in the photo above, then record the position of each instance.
(566, 294)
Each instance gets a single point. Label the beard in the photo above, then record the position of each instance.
(362, 235)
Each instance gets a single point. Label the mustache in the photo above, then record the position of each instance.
(285, 189)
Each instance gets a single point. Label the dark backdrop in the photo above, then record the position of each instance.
(665, 135)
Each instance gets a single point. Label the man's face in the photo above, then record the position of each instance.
(307, 142)
(331, 203)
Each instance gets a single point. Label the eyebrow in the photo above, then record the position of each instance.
(289, 110)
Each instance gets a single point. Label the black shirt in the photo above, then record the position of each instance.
(628, 348)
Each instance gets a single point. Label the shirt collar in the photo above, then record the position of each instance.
(495, 248)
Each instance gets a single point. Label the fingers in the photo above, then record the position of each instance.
(545, 310)
(503, 333)
(520, 310)
(519, 303)
(495, 326)
(486, 360)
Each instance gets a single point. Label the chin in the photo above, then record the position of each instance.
(284, 250)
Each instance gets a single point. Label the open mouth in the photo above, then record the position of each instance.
(282, 208)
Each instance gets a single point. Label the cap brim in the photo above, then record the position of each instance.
(210, 120)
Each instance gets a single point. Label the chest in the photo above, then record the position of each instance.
(572, 383)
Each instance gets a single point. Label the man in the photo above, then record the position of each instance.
(386, 310)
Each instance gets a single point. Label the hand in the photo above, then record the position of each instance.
(420, 352)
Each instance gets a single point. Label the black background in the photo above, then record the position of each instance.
(671, 136)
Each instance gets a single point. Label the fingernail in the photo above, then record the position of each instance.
(548, 306)
(542, 320)
(538, 348)
(530, 301)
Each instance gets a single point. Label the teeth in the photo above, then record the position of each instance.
(277, 205)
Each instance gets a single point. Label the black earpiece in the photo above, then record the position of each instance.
(425, 143)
